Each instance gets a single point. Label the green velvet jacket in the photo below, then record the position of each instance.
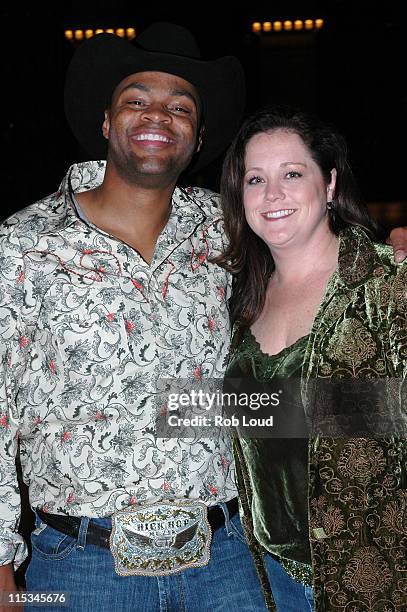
(357, 489)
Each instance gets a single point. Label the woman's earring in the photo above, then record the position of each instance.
(330, 204)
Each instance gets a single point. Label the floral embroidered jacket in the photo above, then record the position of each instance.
(88, 334)
(357, 485)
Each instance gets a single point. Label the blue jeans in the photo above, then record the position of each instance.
(288, 594)
(61, 563)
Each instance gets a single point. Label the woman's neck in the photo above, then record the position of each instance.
(298, 262)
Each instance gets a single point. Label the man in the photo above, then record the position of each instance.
(106, 292)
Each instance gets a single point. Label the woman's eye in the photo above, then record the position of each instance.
(254, 180)
(293, 174)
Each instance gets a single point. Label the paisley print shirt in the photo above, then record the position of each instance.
(357, 486)
(88, 333)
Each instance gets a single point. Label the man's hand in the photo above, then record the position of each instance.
(398, 240)
(7, 583)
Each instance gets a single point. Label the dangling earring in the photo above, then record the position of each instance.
(331, 211)
(330, 204)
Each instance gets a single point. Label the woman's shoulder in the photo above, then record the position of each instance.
(391, 283)
(362, 258)
(390, 271)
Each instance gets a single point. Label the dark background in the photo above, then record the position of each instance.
(352, 72)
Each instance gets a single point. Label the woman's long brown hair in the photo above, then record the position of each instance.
(247, 257)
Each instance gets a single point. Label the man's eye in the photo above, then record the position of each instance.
(181, 109)
(135, 102)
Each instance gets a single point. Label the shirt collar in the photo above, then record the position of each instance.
(185, 212)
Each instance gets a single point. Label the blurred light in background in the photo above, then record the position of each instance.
(287, 25)
(79, 34)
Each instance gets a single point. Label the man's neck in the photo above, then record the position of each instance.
(132, 213)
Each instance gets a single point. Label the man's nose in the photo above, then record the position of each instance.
(156, 113)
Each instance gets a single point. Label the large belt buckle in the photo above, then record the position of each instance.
(160, 539)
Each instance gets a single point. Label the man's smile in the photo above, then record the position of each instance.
(152, 137)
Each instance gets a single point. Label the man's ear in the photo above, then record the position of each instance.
(200, 139)
(106, 125)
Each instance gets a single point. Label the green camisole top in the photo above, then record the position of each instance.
(277, 467)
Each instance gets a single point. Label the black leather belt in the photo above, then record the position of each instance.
(100, 536)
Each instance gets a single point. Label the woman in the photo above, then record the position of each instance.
(315, 298)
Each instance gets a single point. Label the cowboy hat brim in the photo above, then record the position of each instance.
(101, 63)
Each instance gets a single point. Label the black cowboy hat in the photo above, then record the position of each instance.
(100, 63)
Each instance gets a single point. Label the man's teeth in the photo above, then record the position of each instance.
(152, 137)
(279, 213)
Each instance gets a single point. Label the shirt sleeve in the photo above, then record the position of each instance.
(14, 349)
(397, 321)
